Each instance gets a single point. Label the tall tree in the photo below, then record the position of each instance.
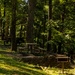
(3, 21)
(44, 24)
(49, 33)
(31, 6)
(7, 26)
(62, 26)
(0, 20)
(13, 26)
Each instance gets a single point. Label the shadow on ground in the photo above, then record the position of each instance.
(13, 67)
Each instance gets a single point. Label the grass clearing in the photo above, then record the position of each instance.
(11, 66)
(58, 71)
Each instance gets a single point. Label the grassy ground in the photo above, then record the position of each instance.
(11, 66)
(8, 66)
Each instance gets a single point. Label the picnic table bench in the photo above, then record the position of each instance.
(29, 47)
(42, 50)
(32, 48)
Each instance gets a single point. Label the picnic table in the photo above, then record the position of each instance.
(31, 46)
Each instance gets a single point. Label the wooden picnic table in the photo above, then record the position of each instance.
(31, 46)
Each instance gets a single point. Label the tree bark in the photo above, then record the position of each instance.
(3, 22)
(44, 26)
(31, 5)
(0, 23)
(50, 32)
(13, 27)
(61, 29)
(0, 19)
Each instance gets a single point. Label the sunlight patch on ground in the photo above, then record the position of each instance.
(8, 67)
(11, 66)
(56, 71)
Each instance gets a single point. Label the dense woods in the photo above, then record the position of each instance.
(49, 23)
(37, 37)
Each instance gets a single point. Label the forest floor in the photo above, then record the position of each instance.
(11, 64)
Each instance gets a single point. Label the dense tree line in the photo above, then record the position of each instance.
(50, 23)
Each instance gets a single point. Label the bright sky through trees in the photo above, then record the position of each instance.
(26, 1)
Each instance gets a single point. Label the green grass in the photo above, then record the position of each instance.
(58, 71)
(11, 66)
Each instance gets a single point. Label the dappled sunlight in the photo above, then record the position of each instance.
(56, 71)
(50, 71)
(10, 66)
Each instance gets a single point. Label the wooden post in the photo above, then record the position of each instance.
(62, 67)
(62, 59)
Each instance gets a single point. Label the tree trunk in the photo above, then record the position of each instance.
(13, 26)
(49, 17)
(31, 6)
(59, 48)
(44, 23)
(44, 26)
(21, 31)
(50, 10)
(7, 27)
(0, 23)
(3, 26)
(0, 19)
(62, 29)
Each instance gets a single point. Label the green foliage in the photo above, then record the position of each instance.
(46, 8)
(51, 24)
(61, 31)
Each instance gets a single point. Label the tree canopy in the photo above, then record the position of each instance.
(46, 22)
